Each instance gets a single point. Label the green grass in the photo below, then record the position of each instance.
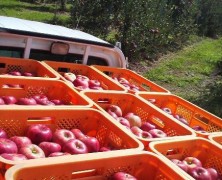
(189, 73)
(30, 11)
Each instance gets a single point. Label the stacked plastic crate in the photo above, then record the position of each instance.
(85, 107)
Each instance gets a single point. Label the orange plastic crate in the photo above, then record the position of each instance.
(208, 153)
(80, 69)
(8, 64)
(130, 103)
(143, 165)
(90, 121)
(195, 115)
(133, 78)
(53, 89)
(216, 138)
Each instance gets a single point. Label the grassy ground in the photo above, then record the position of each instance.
(193, 74)
(38, 12)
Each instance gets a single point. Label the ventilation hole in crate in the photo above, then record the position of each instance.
(13, 127)
(67, 123)
(213, 128)
(160, 176)
(33, 90)
(76, 72)
(170, 132)
(117, 141)
(102, 135)
(11, 68)
(215, 162)
(141, 113)
(186, 113)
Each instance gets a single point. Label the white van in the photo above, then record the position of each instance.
(40, 41)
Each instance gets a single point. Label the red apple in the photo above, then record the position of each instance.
(56, 154)
(2, 102)
(199, 173)
(157, 133)
(61, 136)
(94, 83)
(32, 151)
(134, 87)
(3, 133)
(213, 173)
(180, 164)
(14, 156)
(192, 162)
(96, 88)
(75, 146)
(21, 141)
(197, 128)
(39, 133)
(78, 133)
(81, 81)
(50, 147)
(92, 143)
(57, 102)
(9, 99)
(123, 80)
(123, 121)
(140, 133)
(15, 73)
(28, 74)
(122, 176)
(146, 126)
(167, 110)
(7, 146)
(133, 119)
(40, 98)
(105, 149)
(127, 86)
(69, 76)
(26, 101)
(114, 109)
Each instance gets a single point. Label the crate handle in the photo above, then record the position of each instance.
(103, 101)
(42, 120)
(201, 118)
(2, 65)
(84, 174)
(157, 121)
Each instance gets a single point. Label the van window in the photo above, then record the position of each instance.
(46, 55)
(11, 52)
(96, 61)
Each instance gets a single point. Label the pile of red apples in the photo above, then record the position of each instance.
(134, 123)
(19, 73)
(34, 100)
(40, 141)
(129, 86)
(83, 82)
(179, 117)
(193, 166)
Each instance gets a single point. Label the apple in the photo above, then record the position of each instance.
(134, 87)
(14, 156)
(61, 136)
(50, 147)
(199, 173)
(123, 80)
(77, 133)
(7, 146)
(121, 175)
(28, 74)
(104, 149)
(9, 99)
(75, 146)
(167, 110)
(96, 88)
(57, 102)
(15, 73)
(146, 126)
(81, 81)
(123, 121)
(69, 76)
(2, 102)
(140, 133)
(127, 86)
(133, 119)
(94, 83)
(3, 134)
(91, 143)
(38, 133)
(26, 101)
(192, 162)
(157, 133)
(114, 109)
(21, 141)
(56, 154)
(32, 151)
(40, 98)
(180, 164)
(197, 128)
(213, 173)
